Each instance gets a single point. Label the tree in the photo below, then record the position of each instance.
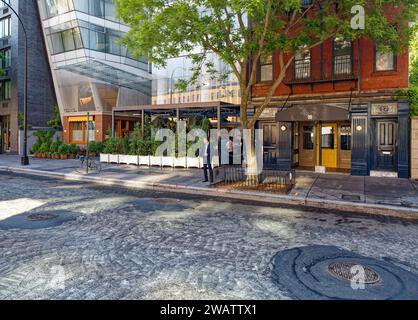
(413, 52)
(242, 31)
(56, 121)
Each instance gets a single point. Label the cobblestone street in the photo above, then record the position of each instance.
(108, 243)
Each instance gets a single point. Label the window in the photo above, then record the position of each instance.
(51, 8)
(65, 41)
(6, 58)
(342, 65)
(303, 65)
(5, 89)
(78, 131)
(5, 27)
(345, 137)
(266, 68)
(308, 137)
(384, 60)
(327, 137)
(2, 3)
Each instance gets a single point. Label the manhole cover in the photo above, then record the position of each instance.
(316, 272)
(42, 216)
(346, 271)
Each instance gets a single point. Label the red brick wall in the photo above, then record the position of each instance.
(102, 123)
(66, 131)
(370, 80)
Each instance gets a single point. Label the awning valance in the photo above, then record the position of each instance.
(313, 113)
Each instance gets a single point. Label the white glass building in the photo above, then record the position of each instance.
(91, 70)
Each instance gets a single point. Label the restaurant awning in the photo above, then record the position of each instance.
(317, 112)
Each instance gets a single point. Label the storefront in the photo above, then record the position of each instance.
(361, 139)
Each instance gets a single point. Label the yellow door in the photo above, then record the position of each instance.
(329, 145)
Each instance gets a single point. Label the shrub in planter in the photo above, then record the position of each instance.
(44, 149)
(111, 145)
(54, 148)
(63, 151)
(72, 151)
(95, 148)
(123, 145)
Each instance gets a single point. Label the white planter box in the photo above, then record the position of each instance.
(167, 161)
(143, 161)
(104, 157)
(193, 162)
(155, 161)
(180, 162)
(123, 159)
(113, 158)
(215, 162)
(132, 160)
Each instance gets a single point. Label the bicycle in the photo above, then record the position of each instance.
(89, 165)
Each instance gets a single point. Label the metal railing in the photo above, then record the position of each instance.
(337, 69)
(272, 180)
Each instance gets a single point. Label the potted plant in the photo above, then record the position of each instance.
(111, 149)
(72, 151)
(123, 150)
(92, 149)
(44, 148)
(53, 150)
(63, 151)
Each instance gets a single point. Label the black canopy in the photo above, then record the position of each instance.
(315, 112)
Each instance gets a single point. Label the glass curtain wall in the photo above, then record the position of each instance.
(99, 8)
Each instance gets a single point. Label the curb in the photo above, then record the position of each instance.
(259, 197)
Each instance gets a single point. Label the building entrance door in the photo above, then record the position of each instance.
(329, 145)
(386, 144)
(269, 143)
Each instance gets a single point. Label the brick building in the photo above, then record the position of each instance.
(337, 110)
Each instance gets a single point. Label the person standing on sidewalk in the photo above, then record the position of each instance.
(207, 163)
(230, 150)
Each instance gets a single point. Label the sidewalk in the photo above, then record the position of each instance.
(371, 195)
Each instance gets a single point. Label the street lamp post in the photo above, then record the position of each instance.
(24, 160)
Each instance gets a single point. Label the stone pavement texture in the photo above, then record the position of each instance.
(376, 195)
(130, 244)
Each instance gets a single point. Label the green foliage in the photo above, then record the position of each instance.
(72, 149)
(64, 149)
(413, 51)
(96, 147)
(135, 139)
(42, 137)
(44, 148)
(165, 29)
(111, 145)
(56, 121)
(123, 145)
(55, 146)
(411, 95)
(21, 121)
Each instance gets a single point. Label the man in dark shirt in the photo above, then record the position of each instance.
(207, 163)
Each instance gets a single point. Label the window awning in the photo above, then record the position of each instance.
(313, 113)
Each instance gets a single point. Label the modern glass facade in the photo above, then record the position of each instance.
(91, 70)
(208, 87)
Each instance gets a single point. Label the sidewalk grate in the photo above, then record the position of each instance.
(350, 197)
